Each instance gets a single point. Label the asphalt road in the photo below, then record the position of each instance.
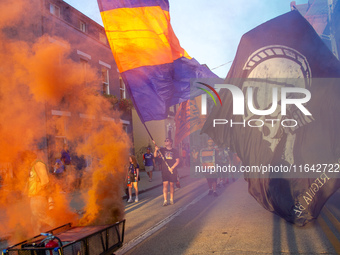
(232, 223)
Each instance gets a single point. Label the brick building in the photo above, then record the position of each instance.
(89, 48)
(324, 16)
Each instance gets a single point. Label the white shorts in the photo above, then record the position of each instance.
(148, 168)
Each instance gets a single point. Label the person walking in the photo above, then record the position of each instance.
(225, 158)
(236, 162)
(149, 162)
(39, 191)
(132, 178)
(59, 171)
(208, 159)
(65, 156)
(169, 170)
(194, 156)
(184, 157)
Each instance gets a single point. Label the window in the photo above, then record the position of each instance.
(60, 129)
(125, 128)
(59, 122)
(82, 26)
(102, 38)
(84, 58)
(84, 65)
(55, 10)
(105, 80)
(172, 111)
(122, 88)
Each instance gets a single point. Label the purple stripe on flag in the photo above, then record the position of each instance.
(155, 88)
(105, 5)
(150, 88)
(184, 70)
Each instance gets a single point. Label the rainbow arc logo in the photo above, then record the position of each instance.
(209, 93)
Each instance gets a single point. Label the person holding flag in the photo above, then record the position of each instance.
(169, 169)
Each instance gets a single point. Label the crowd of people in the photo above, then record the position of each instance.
(168, 160)
(209, 157)
(47, 178)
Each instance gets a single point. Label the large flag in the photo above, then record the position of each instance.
(284, 52)
(153, 65)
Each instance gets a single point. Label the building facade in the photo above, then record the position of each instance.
(324, 16)
(159, 129)
(60, 23)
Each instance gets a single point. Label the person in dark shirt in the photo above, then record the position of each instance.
(65, 156)
(149, 162)
(133, 176)
(169, 170)
(208, 159)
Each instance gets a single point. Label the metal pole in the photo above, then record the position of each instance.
(166, 163)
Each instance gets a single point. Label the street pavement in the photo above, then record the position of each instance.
(144, 185)
(77, 204)
(233, 223)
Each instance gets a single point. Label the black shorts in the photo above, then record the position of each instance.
(168, 177)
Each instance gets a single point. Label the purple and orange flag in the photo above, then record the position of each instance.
(153, 65)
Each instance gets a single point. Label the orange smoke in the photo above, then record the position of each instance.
(35, 77)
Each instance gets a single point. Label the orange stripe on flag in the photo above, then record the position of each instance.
(136, 42)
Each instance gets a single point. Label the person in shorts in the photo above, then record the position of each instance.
(149, 162)
(133, 178)
(208, 159)
(169, 170)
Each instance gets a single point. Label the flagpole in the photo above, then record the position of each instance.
(166, 163)
(147, 130)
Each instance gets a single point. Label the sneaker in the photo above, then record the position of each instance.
(136, 199)
(210, 192)
(130, 200)
(215, 194)
(171, 201)
(165, 203)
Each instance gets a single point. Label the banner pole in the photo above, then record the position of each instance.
(166, 163)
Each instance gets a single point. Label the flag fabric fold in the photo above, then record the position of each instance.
(188, 120)
(285, 51)
(153, 65)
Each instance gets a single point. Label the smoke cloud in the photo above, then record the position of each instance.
(32, 84)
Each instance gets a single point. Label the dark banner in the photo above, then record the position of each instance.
(284, 54)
